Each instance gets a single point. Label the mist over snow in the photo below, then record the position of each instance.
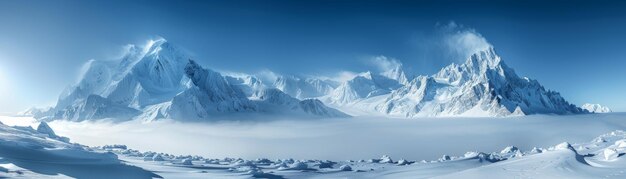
(354, 139)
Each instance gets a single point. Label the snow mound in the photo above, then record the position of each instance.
(563, 146)
(385, 159)
(509, 149)
(620, 143)
(610, 154)
(158, 157)
(345, 168)
(299, 165)
(187, 161)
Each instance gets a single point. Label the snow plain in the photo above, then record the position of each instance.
(348, 141)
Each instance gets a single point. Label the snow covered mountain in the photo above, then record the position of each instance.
(397, 74)
(303, 88)
(248, 84)
(276, 101)
(482, 86)
(160, 81)
(364, 85)
(595, 108)
(33, 111)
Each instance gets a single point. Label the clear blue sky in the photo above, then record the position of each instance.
(576, 48)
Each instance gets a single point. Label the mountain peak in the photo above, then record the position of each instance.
(485, 58)
(154, 45)
(397, 74)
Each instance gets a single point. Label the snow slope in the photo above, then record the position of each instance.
(29, 153)
(364, 85)
(596, 108)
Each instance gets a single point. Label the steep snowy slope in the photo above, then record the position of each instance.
(397, 74)
(364, 85)
(482, 86)
(595, 108)
(141, 78)
(94, 79)
(95, 107)
(154, 77)
(248, 84)
(210, 94)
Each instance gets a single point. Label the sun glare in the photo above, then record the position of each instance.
(3, 83)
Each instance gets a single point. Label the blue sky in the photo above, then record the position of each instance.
(576, 48)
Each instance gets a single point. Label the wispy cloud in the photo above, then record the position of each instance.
(267, 76)
(340, 76)
(461, 42)
(384, 63)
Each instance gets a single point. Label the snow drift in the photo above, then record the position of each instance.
(41, 153)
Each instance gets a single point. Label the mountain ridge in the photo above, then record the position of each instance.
(160, 81)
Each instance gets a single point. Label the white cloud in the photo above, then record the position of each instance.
(384, 63)
(267, 76)
(462, 42)
(341, 76)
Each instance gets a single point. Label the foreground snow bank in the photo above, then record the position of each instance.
(41, 153)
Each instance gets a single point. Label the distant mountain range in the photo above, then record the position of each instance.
(596, 108)
(160, 81)
(482, 86)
